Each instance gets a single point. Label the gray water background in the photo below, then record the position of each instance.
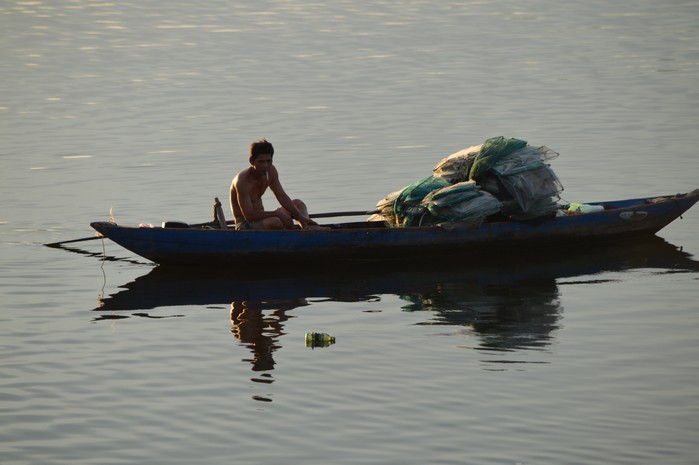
(148, 108)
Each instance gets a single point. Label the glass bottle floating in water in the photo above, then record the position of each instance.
(319, 340)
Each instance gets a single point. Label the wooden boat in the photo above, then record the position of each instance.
(373, 241)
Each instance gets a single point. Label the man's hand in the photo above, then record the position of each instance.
(286, 219)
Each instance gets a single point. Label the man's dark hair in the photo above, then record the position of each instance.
(260, 147)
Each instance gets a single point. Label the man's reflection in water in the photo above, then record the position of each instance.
(258, 325)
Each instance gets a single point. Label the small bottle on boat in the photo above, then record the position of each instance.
(319, 340)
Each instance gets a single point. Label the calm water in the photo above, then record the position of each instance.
(147, 108)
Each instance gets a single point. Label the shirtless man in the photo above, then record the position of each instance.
(249, 185)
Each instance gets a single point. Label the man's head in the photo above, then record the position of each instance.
(260, 147)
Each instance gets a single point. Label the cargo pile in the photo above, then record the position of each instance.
(501, 178)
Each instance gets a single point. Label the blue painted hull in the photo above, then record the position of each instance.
(210, 247)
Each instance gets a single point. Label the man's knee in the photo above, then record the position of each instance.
(300, 205)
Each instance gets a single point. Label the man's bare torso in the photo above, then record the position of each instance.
(253, 187)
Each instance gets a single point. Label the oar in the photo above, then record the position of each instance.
(313, 215)
(332, 214)
(351, 213)
(82, 239)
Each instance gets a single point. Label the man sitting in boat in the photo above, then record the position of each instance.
(249, 185)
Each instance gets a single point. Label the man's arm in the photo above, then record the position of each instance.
(285, 201)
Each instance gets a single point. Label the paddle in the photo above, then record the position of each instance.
(350, 213)
(313, 215)
(334, 214)
(322, 215)
(59, 244)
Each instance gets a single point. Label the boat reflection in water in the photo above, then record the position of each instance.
(507, 316)
(508, 304)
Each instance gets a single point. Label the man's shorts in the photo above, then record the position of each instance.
(244, 225)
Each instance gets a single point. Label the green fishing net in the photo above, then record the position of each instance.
(491, 152)
(502, 176)
(408, 207)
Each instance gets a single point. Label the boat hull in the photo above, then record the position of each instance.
(211, 247)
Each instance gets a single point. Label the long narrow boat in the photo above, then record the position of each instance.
(373, 241)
